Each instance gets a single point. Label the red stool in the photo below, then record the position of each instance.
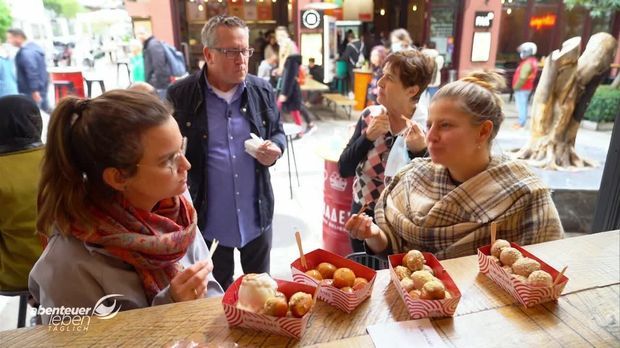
(62, 89)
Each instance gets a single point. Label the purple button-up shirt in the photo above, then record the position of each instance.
(232, 216)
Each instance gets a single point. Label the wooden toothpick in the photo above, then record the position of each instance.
(301, 251)
(557, 279)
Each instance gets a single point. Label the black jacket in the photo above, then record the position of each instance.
(290, 85)
(187, 99)
(156, 67)
(357, 149)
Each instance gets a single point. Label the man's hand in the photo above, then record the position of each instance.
(36, 96)
(281, 98)
(379, 125)
(268, 153)
(191, 283)
(415, 139)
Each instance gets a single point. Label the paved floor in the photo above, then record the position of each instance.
(305, 210)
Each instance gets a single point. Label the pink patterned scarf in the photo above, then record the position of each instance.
(152, 242)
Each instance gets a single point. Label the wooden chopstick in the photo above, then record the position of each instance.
(363, 208)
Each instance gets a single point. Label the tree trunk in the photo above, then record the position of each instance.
(565, 89)
(616, 81)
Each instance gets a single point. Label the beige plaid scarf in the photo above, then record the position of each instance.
(423, 209)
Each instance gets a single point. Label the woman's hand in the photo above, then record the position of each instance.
(415, 139)
(360, 226)
(379, 125)
(191, 283)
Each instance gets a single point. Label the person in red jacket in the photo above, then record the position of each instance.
(523, 80)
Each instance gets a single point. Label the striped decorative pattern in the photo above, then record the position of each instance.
(286, 326)
(346, 302)
(427, 308)
(527, 295)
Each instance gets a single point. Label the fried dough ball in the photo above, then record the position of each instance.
(276, 306)
(414, 260)
(326, 269)
(314, 274)
(347, 289)
(407, 284)
(415, 294)
(508, 256)
(428, 269)
(299, 304)
(433, 290)
(540, 279)
(279, 294)
(359, 283)
(525, 266)
(420, 278)
(497, 247)
(402, 272)
(344, 277)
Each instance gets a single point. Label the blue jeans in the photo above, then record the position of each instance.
(521, 99)
(161, 93)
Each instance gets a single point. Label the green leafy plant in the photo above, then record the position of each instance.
(64, 8)
(604, 106)
(597, 8)
(5, 19)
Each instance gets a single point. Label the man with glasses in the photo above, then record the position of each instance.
(217, 109)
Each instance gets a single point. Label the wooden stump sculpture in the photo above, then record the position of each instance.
(564, 91)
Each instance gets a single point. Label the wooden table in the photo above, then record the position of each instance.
(588, 312)
(313, 85)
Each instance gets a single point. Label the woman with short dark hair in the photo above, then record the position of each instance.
(366, 156)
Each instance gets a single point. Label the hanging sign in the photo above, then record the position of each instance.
(483, 20)
(540, 22)
(311, 19)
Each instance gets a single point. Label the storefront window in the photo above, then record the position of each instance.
(543, 28)
(443, 20)
(511, 34)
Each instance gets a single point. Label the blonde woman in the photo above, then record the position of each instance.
(445, 204)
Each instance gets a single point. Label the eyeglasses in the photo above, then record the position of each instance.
(171, 163)
(232, 53)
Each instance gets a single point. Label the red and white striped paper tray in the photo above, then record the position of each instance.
(524, 293)
(344, 301)
(286, 326)
(427, 308)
